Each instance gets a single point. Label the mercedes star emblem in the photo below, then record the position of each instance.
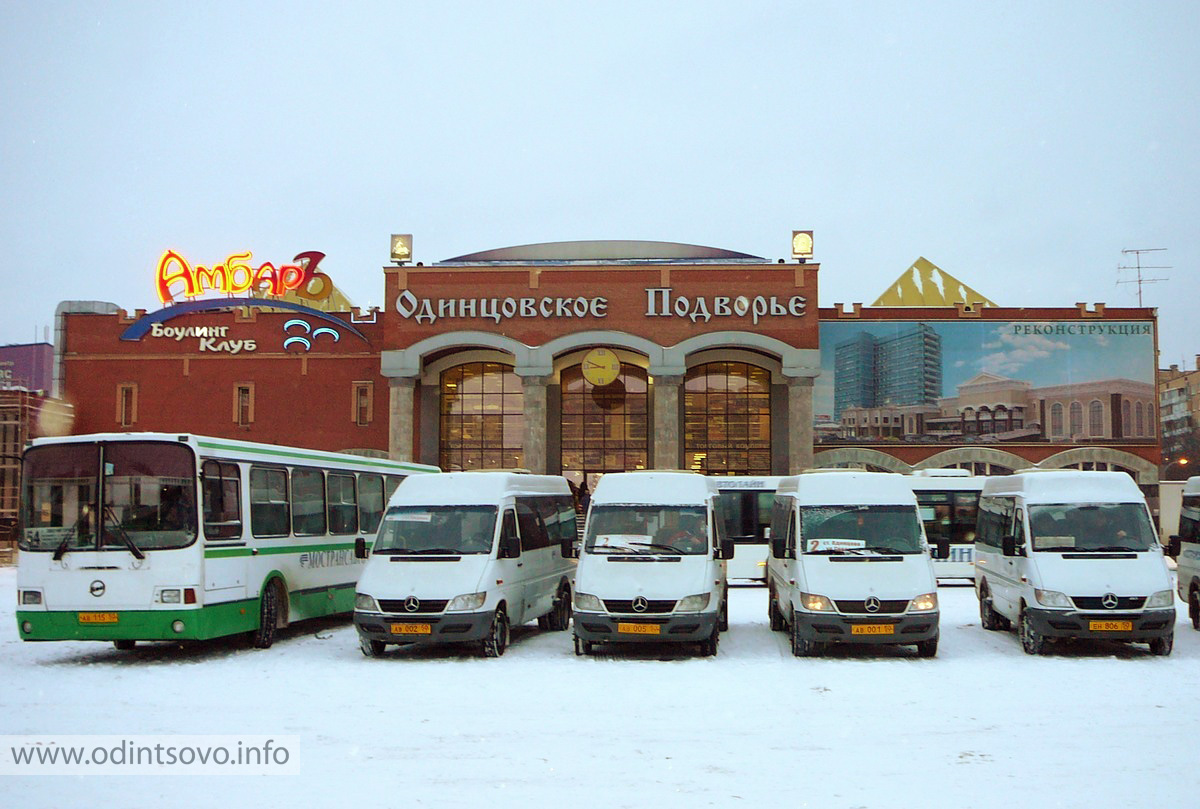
(639, 604)
(872, 604)
(412, 603)
(1109, 601)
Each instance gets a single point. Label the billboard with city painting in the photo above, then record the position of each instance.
(986, 381)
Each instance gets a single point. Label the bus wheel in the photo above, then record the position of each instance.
(1194, 608)
(1031, 641)
(124, 645)
(497, 640)
(268, 617)
(1163, 646)
(371, 648)
(560, 616)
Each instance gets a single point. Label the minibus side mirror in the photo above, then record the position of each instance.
(360, 548)
(941, 549)
(725, 548)
(1173, 546)
(570, 550)
(510, 543)
(1010, 546)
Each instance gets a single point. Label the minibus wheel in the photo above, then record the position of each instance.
(708, 648)
(1194, 608)
(497, 640)
(1163, 646)
(723, 621)
(371, 648)
(1031, 641)
(927, 648)
(124, 645)
(582, 647)
(559, 617)
(801, 647)
(989, 619)
(773, 613)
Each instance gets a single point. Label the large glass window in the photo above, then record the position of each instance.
(604, 429)
(727, 419)
(268, 502)
(222, 500)
(483, 417)
(308, 502)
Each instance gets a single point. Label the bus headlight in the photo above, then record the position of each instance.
(1163, 598)
(1052, 598)
(923, 603)
(471, 601)
(816, 603)
(31, 597)
(172, 596)
(692, 603)
(588, 603)
(366, 603)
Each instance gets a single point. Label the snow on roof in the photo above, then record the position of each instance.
(473, 488)
(1066, 486)
(653, 488)
(848, 487)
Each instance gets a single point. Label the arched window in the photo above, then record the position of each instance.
(727, 419)
(604, 429)
(1096, 419)
(1126, 419)
(1076, 418)
(483, 417)
(1139, 425)
(1056, 419)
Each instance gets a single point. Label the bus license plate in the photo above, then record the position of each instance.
(873, 629)
(639, 629)
(1110, 626)
(411, 629)
(98, 618)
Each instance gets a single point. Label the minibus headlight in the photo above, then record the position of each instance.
(29, 597)
(816, 603)
(1052, 598)
(923, 603)
(364, 602)
(588, 603)
(1163, 598)
(470, 601)
(694, 603)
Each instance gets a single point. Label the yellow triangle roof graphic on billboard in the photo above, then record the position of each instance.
(926, 284)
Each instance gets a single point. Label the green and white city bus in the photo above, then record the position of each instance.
(152, 536)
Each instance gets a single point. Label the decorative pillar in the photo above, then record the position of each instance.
(800, 424)
(534, 390)
(401, 395)
(666, 421)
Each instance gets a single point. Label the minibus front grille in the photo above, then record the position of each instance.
(400, 605)
(1097, 602)
(860, 607)
(626, 606)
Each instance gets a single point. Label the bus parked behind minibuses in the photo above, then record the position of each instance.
(949, 500)
(849, 563)
(745, 503)
(1185, 547)
(129, 537)
(652, 563)
(1069, 554)
(466, 559)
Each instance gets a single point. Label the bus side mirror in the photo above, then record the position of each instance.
(360, 548)
(1173, 546)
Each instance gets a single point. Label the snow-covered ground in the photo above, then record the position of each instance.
(982, 725)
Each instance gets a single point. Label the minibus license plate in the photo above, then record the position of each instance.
(873, 629)
(411, 629)
(639, 629)
(1110, 626)
(98, 618)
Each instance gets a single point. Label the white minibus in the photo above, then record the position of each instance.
(745, 503)
(849, 563)
(948, 500)
(1185, 547)
(652, 563)
(467, 559)
(1070, 554)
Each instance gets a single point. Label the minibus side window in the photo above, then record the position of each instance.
(994, 519)
(779, 526)
(533, 530)
(1018, 529)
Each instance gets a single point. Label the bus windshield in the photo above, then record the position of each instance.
(647, 529)
(148, 489)
(411, 530)
(858, 529)
(1089, 528)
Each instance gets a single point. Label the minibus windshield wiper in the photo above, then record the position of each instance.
(889, 549)
(838, 551)
(421, 551)
(1118, 548)
(660, 546)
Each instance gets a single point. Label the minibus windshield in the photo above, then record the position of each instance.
(1090, 528)
(412, 530)
(859, 529)
(647, 529)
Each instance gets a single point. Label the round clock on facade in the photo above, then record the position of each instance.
(601, 366)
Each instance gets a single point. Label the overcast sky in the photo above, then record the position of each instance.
(1019, 146)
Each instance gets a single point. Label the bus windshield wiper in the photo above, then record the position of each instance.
(122, 534)
(62, 548)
